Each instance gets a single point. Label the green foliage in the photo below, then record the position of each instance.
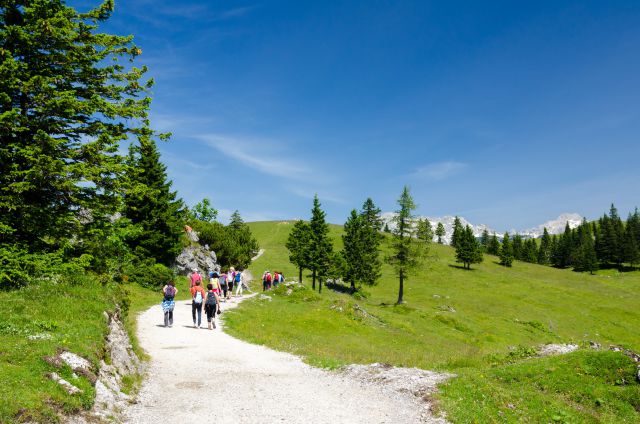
(69, 97)
(298, 245)
(468, 250)
(150, 275)
(457, 231)
(544, 253)
(494, 245)
(440, 232)
(407, 251)
(424, 231)
(151, 205)
(320, 248)
(506, 251)
(203, 211)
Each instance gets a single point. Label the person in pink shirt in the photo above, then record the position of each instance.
(195, 277)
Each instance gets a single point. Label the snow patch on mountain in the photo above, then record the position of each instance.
(555, 226)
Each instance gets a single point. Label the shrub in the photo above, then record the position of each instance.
(150, 274)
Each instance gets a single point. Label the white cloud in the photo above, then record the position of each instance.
(262, 155)
(438, 171)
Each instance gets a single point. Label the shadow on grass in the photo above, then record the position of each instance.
(461, 267)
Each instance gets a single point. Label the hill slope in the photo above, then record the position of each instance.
(481, 324)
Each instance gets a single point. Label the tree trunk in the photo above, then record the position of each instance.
(401, 289)
(300, 275)
(319, 285)
(353, 287)
(313, 279)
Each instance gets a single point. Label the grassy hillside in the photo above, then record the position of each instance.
(44, 318)
(481, 324)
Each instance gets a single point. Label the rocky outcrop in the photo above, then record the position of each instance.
(196, 256)
(110, 399)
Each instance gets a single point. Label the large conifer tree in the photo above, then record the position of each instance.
(67, 101)
(468, 250)
(506, 251)
(406, 250)
(353, 252)
(494, 245)
(371, 239)
(440, 232)
(298, 244)
(544, 252)
(320, 248)
(151, 205)
(457, 231)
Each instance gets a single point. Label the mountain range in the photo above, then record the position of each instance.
(554, 226)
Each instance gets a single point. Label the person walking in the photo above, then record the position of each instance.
(231, 275)
(195, 276)
(239, 281)
(211, 306)
(197, 295)
(266, 280)
(222, 280)
(168, 303)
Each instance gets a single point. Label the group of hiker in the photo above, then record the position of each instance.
(269, 280)
(219, 288)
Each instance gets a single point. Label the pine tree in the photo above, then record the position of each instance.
(242, 245)
(494, 245)
(506, 251)
(151, 205)
(424, 231)
(530, 251)
(371, 239)
(544, 253)
(440, 232)
(406, 250)
(354, 239)
(298, 244)
(584, 254)
(66, 104)
(484, 240)
(320, 247)
(632, 238)
(457, 230)
(518, 247)
(386, 228)
(468, 250)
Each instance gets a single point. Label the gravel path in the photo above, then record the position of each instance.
(198, 375)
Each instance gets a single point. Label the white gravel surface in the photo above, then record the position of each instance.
(201, 375)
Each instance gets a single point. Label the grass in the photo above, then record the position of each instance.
(45, 318)
(473, 323)
(39, 321)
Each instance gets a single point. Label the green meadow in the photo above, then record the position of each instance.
(483, 325)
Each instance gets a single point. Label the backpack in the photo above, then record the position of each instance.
(268, 278)
(169, 292)
(237, 279)
(198, 298)
(211, 299)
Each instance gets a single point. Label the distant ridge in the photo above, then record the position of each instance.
(554, 226)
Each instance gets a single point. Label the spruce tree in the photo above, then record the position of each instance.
(68, 98)
(457, 230)
(320, 248)
(468, 249)
(424, 231)
(484, 240)
(151, 205)
(370, 243)
(494, 245)
(298, 244)
(242, 245)
(544, 253)
(386, 228)
(407, 251)
(518, 247)
(440, 232)
(584, 254)
(506, 251)
(354, 240)
(530, 251)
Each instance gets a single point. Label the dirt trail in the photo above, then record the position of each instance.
(198, 375)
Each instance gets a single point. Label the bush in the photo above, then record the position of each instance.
(150, 274)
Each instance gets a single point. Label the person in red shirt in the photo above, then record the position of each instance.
(198, 295)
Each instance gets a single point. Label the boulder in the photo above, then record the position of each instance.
(196, 256)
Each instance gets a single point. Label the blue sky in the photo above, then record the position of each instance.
(507, 113)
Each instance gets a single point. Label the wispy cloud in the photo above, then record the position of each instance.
(238, 12)
(438, 171)
(264, 156)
